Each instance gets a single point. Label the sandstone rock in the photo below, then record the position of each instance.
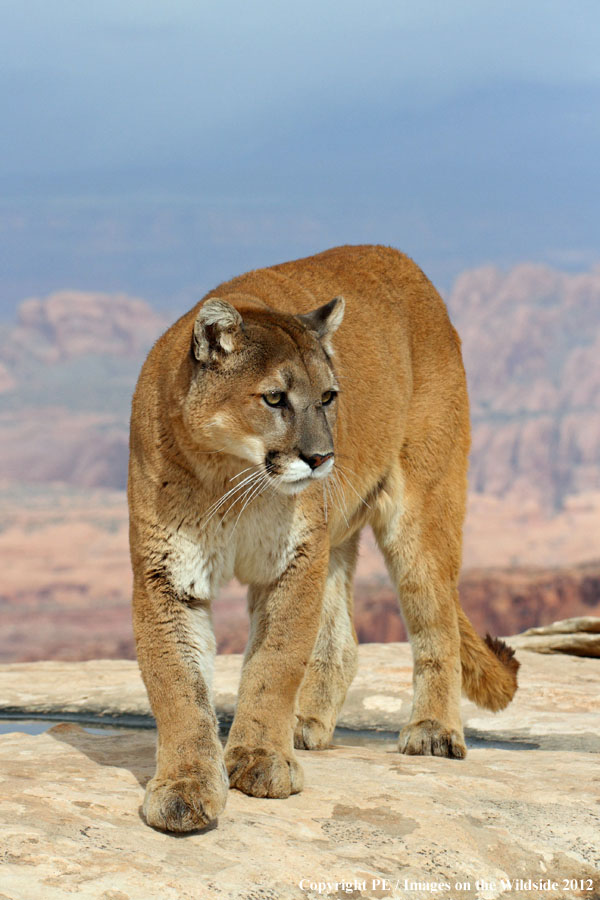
(579, 636)
(586, 624)
(365, 815)
(378, 700)
(574, 644)
(521, 806)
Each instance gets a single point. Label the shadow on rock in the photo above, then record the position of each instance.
(135, 751)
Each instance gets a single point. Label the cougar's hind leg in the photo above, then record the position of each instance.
(419, 533)
(335, 656)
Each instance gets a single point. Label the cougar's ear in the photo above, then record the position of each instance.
(217, 330)
(325, 320)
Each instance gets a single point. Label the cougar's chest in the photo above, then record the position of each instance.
(264, 543)
(256, 547)
(199, 563)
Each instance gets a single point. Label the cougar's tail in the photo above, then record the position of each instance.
(489, 667)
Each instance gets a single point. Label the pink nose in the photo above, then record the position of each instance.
(317, 460)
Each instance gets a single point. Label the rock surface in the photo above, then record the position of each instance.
(584, 624)
(523, 805)
(579, 636)
(378, 700)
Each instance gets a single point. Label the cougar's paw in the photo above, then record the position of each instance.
(430, 738)
(263, 771)
(186, 802)
(311, 734)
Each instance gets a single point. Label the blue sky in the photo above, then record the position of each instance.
(159, 148)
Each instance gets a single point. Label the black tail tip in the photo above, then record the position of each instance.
(505, 654)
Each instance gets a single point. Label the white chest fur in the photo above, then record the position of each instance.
(198, 564)
(265, 544)
(256, 548)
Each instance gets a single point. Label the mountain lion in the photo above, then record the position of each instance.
(290, 408)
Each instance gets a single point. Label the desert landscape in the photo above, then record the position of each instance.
(531, 342)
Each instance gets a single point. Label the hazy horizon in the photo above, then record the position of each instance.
(159, 151)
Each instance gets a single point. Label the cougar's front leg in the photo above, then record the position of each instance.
(285, 619)
(176, 648)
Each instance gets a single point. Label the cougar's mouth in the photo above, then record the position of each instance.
(295, 476)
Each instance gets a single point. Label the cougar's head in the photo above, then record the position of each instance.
(264, 388)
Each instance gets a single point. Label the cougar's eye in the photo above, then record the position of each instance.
(274, 398)
(327, 397)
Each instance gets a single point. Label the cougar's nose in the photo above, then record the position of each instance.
(316, 460)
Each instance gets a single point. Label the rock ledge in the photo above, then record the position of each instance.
(523, 805)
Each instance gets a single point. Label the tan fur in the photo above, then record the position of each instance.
(204, 423)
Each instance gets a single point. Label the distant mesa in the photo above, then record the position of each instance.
(531, 344)
(69, 324)
(7, 380)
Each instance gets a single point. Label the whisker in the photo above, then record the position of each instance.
(256, 491)
(218, 503)
(362, 500)
(341, 496)
(242, 497)
(344, 466)
(272, 487)
(332, 498)
(231, 491)
(242, 472)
